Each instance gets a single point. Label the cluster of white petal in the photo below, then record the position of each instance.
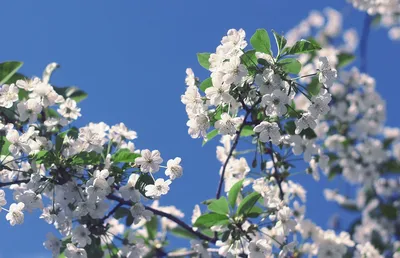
(73, 175)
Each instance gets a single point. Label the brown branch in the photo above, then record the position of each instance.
(168, 216)
(235, 143)
(3, 184)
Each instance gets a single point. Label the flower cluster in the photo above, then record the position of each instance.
(79, 178)
(382, 12)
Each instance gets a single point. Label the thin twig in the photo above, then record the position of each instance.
(235, 143)
(168, 216)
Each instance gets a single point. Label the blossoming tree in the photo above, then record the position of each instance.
(282, 95)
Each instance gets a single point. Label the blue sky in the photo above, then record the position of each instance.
(131, 56)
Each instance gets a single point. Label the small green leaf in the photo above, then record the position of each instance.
(211, 219)
(210, 135)
(40, 155)
(203, 59)
(234, 192)
(280, 41)
(121, 212)
(290, 127)
(249, 60)
(344, 59)
(207, 83)
(225, 235)
(309, 133)
(152, 227)
(389, 211)
(314, 87)
(247, 203)
(183, 233)
(73, 132)
(261, 42)
(391, 166)
(129, 220)
(51, 113)
(86, 158)
(71, 92)
(16, 77)
(144, 180)
(247, 131)
(254, 212)
(94, 249)
(59, 142)
(303, 46)
(376, 21)
(290, 65)
(8, 69)
(124, 156)
(45, 157)
(4, 145)
(219, 206)
(78, 95)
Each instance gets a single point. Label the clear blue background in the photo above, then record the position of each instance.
(131, 56)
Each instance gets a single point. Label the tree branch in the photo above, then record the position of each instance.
(3, 184)
(168, 216)
(235, 143)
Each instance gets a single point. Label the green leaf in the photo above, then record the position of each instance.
(4, 145)
(261, 42)
(129, 220)
(94, 249)
(376, 21)
(303, 46)
(249, 60)
(389, 211)
(290, 65)
(391, 166)
(344, 59)
(207, 83)
(152, 227)
(121, 212)
(234, 192)
(144, 180)
(124, 156)
(254, 212)
(8, 69)
(203, 59)
(290, 127)
(314, 87)
(45, 157)
(210, 135)
(59, 143)
(247, 131)
(51, 113)
(86, 158)
(71, 92)
(247, 203)
(183, 233)
(73, 132)
(16, 77)
(280, 41)
(78, 95)
(219, 206)
(309, 133)
(211, 219)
